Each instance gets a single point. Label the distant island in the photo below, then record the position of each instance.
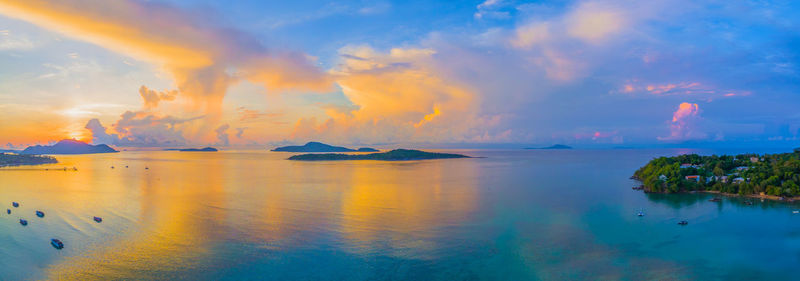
(205, 149)
(556, 146)
(394, 155)
(774, 176)
(8, 151)
(68, 147)
(321, 147)
(17, 160)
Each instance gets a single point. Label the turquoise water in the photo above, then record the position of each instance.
(514, 215)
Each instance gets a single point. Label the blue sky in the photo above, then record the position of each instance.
(586, 73)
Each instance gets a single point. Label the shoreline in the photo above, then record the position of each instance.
(752, 196)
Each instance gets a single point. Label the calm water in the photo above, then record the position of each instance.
(515, 215)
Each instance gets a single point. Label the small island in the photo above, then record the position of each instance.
(18, 160)
(205, 149)
(394, 155)
(773, 176)
(321, 147)
(556, 146)
(69, 147)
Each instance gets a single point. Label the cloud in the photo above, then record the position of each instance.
(240, 132)
(203, 58)
(594, 22)
(222, 135)
(100, 134)
(252, 115)
(397, 95)
(684, 125)
(152, 98)
(490, 9)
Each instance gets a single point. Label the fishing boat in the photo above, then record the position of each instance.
(98, 219)
(15, 204)
(57, 243)
(640, 213)
(39, 214)
(683, 222)
(23, 222)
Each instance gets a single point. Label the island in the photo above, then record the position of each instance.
(204, 149)
(68, 147)
(18, 160)
(772, 176)
(321, 147)
(556, 146)
(394, 155)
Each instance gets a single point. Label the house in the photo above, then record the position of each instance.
(742, 168)
(686, 165)
(695, 178)
(738, 180)
(723, 179)
(753, 159)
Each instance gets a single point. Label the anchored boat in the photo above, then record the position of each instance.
(57, 243)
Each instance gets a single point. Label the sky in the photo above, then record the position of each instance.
(386, 73)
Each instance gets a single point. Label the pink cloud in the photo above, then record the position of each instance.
(684, 123)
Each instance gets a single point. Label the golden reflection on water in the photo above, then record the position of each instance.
(170, 218)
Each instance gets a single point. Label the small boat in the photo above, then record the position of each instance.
(15, 204)
(98, 219)
(112, 167)
(8, 211)
(39, 214)
(796, 212)
(57, 243)
(641, 214)
(748, 202)
(683, 222)
(146, 168)
(715, 199)
(23, 222)
(126, 166)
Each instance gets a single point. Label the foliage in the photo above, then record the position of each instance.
(394, 155)
(16, 159)
(773, 174)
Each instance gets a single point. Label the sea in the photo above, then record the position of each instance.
(506, 215)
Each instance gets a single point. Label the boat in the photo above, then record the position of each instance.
(39, 214)
(715, 199)
(15, 204)
(748, 202)
(8, 211)
(57, 243)
(641, 214)
(683, 222)
(796, 212)
(98, 219)
(23, 222)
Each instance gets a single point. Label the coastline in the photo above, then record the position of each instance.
(14, 160)
(753, 196)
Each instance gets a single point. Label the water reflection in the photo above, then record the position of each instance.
(181, 216)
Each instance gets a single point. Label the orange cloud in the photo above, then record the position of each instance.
(400, 94)
(204, 60)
